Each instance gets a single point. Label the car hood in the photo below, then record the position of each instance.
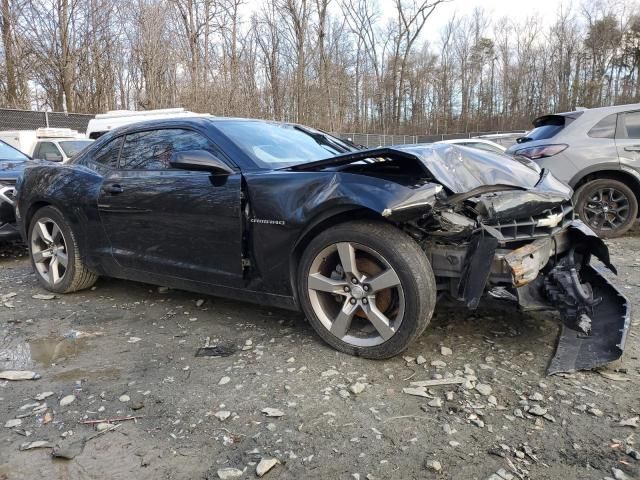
(459, 169)
(12, 169)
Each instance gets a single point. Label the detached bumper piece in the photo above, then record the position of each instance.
(608, 315)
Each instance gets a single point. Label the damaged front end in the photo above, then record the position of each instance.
(525, 243)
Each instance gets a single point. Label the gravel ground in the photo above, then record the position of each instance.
(284, 400)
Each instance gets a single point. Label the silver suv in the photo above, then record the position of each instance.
(597, 152)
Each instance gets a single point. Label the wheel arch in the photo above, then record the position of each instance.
(624, 175)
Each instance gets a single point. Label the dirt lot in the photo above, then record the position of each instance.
(128, 349)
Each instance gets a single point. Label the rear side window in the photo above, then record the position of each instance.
(605, 128)
(631, 125)
(152, 150)
(47, 151)
(108, 154)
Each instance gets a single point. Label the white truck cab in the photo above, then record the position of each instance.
(105, 122)
(53, 144)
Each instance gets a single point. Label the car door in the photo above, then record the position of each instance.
(628, 139)
(47, 151)
(167, 221)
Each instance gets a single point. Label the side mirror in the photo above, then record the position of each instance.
(199, 160)
(53, 157)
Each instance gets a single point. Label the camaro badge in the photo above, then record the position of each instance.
(267, 221)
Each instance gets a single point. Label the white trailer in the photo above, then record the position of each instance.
(53, 144)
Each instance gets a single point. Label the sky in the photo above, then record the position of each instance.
(516, 9)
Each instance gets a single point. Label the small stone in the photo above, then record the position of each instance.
(518, 413)
(272, 412)
(291, 360)
(438, 364)
(13, 423)
(446, 351)
(619, 474)
(536, 397)
(43, 296)
(43, 395)
(163, 289)
(265, 465)
(537, 410)
(436, 402)
(229, 473)
(101, 427)
(222, 415)
(344, 393)
(357, 388)
(483, 389)
(224, 381)
(329, 373)
(199, 302)
(454, 444)
(124, 398)
(596, 412)
(492, 400)
(134, 339)
(448, 429)
(417, 391)
(434, 465)
(420, 360)
(629, 422)
(69, 399)
(409, 359)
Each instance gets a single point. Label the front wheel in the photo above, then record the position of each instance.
(367, 288)
(608, 206)
(55, 254)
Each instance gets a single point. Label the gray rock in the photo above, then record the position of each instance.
(596, 412)
(483, 389)
(420, 360)
(14, 422)
(67, 400)
(228, 473)
(536, 397)
(537, 410)
(265, 465)
(357, 388)
(124, 398)
(434, 465)
(222, 415)
(272, 412)
(224, 381)
(446, 351)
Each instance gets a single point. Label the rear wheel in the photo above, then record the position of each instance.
(608, 206)
(367, 288)
(55, 254)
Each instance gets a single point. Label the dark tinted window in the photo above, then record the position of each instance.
(632, 124)
(605, 128)
(152, 150)
(47, 151)
(108, 155)
(548, 126)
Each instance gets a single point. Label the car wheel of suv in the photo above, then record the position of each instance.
(55, 255)
(367, 288)
(608, 206)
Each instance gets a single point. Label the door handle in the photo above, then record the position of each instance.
(632, 148)
(113, 189)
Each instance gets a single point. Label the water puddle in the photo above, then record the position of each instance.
(42, 351)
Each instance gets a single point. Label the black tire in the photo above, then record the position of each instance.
(406, 258)
(589, 190)
(76, 275)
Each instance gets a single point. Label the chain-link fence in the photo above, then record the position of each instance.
(30, 120)
(372, 140)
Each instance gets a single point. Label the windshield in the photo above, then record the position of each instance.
(9, 153)
(72, 147)
(277, 145)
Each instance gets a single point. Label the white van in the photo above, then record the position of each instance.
(104, 122)
(53, 144)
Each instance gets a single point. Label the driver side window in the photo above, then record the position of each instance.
(152, 150)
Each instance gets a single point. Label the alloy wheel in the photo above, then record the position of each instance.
(49, 251)
(356, 294)
(606, 209)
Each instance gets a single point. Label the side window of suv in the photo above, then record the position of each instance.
(605, 128)
(631, 125)
(152, 150)
(108, 154)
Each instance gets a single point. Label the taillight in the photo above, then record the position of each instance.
(541, 151)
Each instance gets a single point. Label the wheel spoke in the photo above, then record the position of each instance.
(342, 323)
(54, 274)
(386, 279)
(63, 259)
(347, 255)
(43, 233)
(319, 282)
(379, 320)
(41, 255)
(56, 234)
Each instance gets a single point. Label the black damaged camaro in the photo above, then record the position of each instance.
(363, 241)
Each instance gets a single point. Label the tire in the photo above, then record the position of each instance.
(52, 242)
(609, 207)
(407, 302)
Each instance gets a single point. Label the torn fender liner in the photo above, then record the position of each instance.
(582, 234)
(609, 327)
(477, 268)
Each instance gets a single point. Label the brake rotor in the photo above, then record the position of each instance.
(370, 268)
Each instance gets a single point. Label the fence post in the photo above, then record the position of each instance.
(46, 119)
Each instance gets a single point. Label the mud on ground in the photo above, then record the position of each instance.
(127, 349)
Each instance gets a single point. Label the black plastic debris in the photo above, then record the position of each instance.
(219, 350)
